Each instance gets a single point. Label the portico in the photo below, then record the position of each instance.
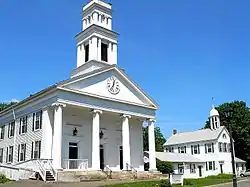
(100, 139)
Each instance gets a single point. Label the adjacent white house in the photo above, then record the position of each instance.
(92, 120)
(203, 152)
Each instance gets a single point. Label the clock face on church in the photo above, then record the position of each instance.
(113, 85)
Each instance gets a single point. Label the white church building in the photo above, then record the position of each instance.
(89, 122)
(203, 152)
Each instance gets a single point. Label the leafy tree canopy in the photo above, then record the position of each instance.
(5, 105)
(240, 124)
(159, 139)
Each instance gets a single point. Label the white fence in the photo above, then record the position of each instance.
(75, 164)
(15, 173)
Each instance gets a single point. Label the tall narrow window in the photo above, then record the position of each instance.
(10, 154)
(104, 52)
(37, 149)
(2, 129)
(23, 125)
(37, 120)
(11, 129)
(86, 52)
(21, 152)
(1, 155)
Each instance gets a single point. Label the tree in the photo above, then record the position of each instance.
(6, 105)
(159, 139)
(240, 123)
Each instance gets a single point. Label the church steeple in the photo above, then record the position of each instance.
(97, 41)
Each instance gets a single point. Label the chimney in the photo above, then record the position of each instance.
(174, 132)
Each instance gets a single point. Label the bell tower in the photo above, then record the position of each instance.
(97, 41)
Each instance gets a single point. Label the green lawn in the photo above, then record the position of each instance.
(211, 180)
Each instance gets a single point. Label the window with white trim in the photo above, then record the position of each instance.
(224, 147)
(180, 169)
(2, 129)
(209, 148)
(170, 149)
(182, 149)
(21, 152)
(1, 155)
(192, 168)
(36, 150)
(195, 149)
(10, 151)
(11, 130)
(37, 120)
(23, 125)
(210, 165)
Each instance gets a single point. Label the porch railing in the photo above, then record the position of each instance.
(75, 164)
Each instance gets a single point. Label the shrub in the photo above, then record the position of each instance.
(3, 179)
(164, 167)
(165, 183)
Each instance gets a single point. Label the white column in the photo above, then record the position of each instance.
(114, 53)
(93, 49)
(57, 136)
(96, 140)
(126, 141)
(79, 55)
(99, 49)
(151, 142)
(83, 53)
(47, 134)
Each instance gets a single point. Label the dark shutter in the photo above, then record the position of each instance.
(206, 166)
(20, 126)
(192, 151)
(190, 168)
(179, 151)
(41, 119)
(32, 147)
(205, 148)
(24, 156)
(33, 123)
(213, 147)
(26, 125)
(39, 153)
(198, 149)
(185, 149)
(213, 165)
(18, 158)
(7, 152)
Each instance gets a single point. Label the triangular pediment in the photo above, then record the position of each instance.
(109, 83)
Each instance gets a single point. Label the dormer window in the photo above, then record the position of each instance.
(104, 52)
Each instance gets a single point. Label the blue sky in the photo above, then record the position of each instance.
(182, 53)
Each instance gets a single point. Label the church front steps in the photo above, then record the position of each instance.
(86, 176)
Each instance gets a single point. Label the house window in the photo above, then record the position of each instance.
(209, 148)
(10, 154)
(192, 168)
(36, 150)
(220, 147)
(210, 165)
(23, 125)
(86, 48)
(2, 132)
(1, 155)
(21, 152)
(11, 129)
(37, 120)
(224, 147)
(224, 136)
(104, 52)
(195, 149)
(170, 149)
(182, 149)
(180, 168)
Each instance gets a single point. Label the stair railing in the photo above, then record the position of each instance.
(42, 170)
(52, 170)
(132, 169)
(108, 172)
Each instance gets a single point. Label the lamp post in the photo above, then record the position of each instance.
(228, 114)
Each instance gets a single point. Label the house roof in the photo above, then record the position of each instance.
(238, 160)
(176, 157)
(61, 83)
(194, 136)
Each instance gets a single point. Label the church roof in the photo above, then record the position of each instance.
(60, 83)
(194, 136)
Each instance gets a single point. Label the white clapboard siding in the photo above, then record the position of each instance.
(26, 138)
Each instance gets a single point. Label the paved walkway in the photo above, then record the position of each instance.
(35, 183)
